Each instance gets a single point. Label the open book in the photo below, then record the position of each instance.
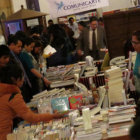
(49, 50)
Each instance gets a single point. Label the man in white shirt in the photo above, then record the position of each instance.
(74, 26)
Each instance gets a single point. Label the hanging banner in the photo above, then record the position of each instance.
(59, 8)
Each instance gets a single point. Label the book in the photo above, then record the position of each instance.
(49, 50)
(115, 85)
(75, 101)
(121, 118)
(60, 104)
(127, 111)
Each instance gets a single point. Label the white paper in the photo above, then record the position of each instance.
(87, 119)
(95, 110)
(49, 50)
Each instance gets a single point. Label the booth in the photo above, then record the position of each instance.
(23, 20)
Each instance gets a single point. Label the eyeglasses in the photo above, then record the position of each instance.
(136, 43)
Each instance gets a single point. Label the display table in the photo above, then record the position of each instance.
(126, 137)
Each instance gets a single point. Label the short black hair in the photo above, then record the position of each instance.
(82, 23)
(28, 41)
(137, 34)
(4, 51)
(100, 19)
(36, 38)
(50, 20)
(93, 19)
(13, 39)
(21, 36)
(71, 18)
(38, 29)
(38, 44)
(9, 71)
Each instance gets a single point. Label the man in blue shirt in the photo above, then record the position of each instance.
(15, 46)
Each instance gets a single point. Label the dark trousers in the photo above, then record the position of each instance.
(94, 54)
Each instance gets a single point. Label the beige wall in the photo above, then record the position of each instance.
(117, 4)
(6, 7)
(114, 5)
(43, 7)
(17, 4)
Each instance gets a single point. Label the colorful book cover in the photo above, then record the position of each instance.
(75, 101)
(60, 104)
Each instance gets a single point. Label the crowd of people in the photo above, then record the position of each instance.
(21, 68)
(22, 62)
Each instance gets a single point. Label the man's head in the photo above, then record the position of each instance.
(71, 20)
(136, 41)
(100, 21)
(81, 25)
(50, 22)
(4, 55)
(93, 23)
(15, 44)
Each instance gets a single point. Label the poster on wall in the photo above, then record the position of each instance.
(59, 8)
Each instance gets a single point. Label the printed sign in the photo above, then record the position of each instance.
(59, 8)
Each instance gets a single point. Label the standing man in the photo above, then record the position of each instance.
(92, 40)
(50, 22)
(15, 46)
(82, 51)
(74, 26)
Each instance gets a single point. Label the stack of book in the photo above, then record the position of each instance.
(119, 130)
(62, 72)
(121, 114)
(115, 85)
(62, 83)
(120, 120)
(119, 62)
(95, 134)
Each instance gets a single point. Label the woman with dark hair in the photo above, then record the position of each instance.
(37, 50)
(60, 41)
(39, 62)
(29, 63)
(12, 103)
